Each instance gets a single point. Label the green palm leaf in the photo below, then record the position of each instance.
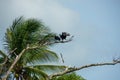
(51, 68)
(34, 72)
(39, 55)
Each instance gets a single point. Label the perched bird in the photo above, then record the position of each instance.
(64, 35)
(57, 38)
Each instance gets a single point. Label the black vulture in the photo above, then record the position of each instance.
(64, 35)
(57, 38)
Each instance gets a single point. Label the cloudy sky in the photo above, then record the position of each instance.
(94, 23)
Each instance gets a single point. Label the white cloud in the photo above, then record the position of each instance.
(51, 12)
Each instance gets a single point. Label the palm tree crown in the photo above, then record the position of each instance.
(30, 32)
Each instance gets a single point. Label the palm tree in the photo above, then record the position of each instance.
(30, 66)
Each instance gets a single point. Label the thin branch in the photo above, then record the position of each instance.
(62, 57)
(72, 69)
(13, 51)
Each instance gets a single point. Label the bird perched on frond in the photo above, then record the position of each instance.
(64, 35)
(57, 38)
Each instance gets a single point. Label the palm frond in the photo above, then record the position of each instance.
(50, 67)
(16, 22)
(11, 33)
(35, 73)
(38, 56)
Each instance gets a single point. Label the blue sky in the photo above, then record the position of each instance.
(94, 23)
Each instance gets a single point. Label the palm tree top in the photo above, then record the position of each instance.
(32, 32)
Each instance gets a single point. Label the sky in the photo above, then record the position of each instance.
(95, 25)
